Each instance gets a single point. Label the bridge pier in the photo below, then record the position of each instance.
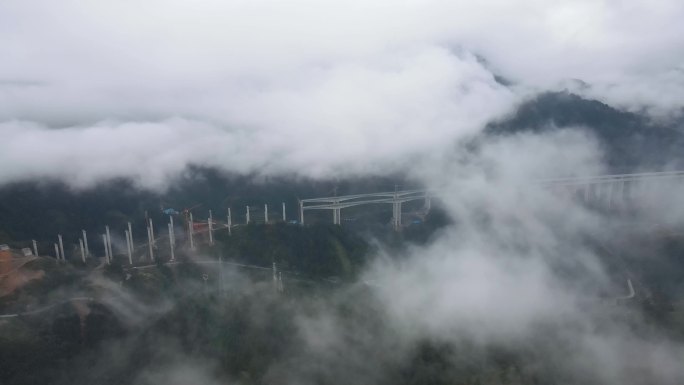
(301, 212)
(337, 213)
(396, 209)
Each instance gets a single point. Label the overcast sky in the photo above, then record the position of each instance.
(90, 90)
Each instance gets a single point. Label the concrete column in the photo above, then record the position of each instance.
(57, 252)
(61, 247)
(230, 222)
(83, 253)
(150, 241)
(610, 194)
(265, 214)
(586, 192)
(275, 276)
(109, 244)
(154, 243)
(210, 222)
(301, 212)
(35, 247)
(171, 239)
(106, 248)
(284, 218)
(191, 231)
(128, 247)
(247, 216)
(130, 234)
(85, 243)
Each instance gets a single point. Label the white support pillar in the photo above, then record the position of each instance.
(211, 228)
(109, 244)
(191, 231)
(130, 234)
(83, 253)
(275, 277)
(128, 247)
(265, 213)
(150, 242)
(247, 216)
(301, 212)
(57, 252)
(35, 247)
(230, 222)
(171, 240)
(586, 192)
(85, 243)
(61, 247)
(610, 194)
(336, 213)
(284, 217)
(106, 248)
(396, 215)
(154, 242)
(280, 282)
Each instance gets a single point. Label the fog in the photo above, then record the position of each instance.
(90, 92)
(316, 88)
(518, 271)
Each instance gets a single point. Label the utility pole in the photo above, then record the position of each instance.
(284, 218)
(265, 214)
(35, 247)
(247, 215)
(85, 242)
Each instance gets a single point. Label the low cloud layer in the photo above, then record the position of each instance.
(317, 88)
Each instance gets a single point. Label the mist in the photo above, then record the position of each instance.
(312, 88)
(523, 278)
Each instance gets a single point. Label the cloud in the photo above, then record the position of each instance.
(517, 270)
(315, 88)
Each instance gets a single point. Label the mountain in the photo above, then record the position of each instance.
(631, 141)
